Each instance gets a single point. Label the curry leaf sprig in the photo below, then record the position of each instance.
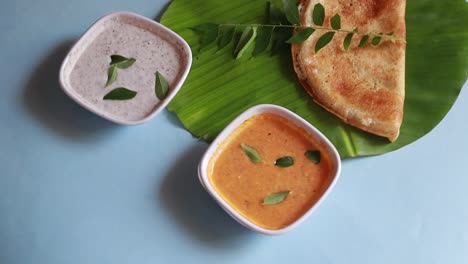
(284, 27)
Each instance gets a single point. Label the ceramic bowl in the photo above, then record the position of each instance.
(174, 41)
(319, 138)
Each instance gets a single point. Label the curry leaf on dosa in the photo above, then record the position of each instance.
(301, 36)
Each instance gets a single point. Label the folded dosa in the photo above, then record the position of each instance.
(363, 86)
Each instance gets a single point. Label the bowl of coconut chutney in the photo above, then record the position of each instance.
(126, 68)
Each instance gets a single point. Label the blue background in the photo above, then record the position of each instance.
(75, 188)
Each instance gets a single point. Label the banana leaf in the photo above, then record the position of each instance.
(219, 87)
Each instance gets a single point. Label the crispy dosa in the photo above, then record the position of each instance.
(363, 86)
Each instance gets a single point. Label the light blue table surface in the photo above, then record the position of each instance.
(75, 188)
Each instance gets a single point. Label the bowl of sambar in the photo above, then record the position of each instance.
(270, 169)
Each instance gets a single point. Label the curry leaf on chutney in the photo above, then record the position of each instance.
(161, 86)
(284, 161)
(251, 153)
(313, 155)
(120, 93)
(111, 75)
(275, 198)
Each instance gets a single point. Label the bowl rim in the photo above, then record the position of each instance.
(185, 52)
(297, 120)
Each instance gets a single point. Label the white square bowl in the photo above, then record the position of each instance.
(319, 138)
(151, 27)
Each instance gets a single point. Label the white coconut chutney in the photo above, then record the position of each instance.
(130, 37)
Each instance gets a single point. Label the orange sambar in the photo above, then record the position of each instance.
(244, 184)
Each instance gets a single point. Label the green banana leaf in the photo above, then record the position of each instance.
(219, 88)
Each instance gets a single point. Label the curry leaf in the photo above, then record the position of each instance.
(226, 36)
(291, 11)
(363, 41)
(313, 155)
(274, 16)
(376, 40)
(318, 14)
(246, 39)
(275, 198)
(111, 75)
(336, 22)
(161, 86)
(347, 41)
(324, 40)
(117, 59)
(251, 153)
(301, 36)
(280, 35)
(120, 93)
(284, 161)
(117, 62)
(125, 64)
(262, 41)
(208, 32)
